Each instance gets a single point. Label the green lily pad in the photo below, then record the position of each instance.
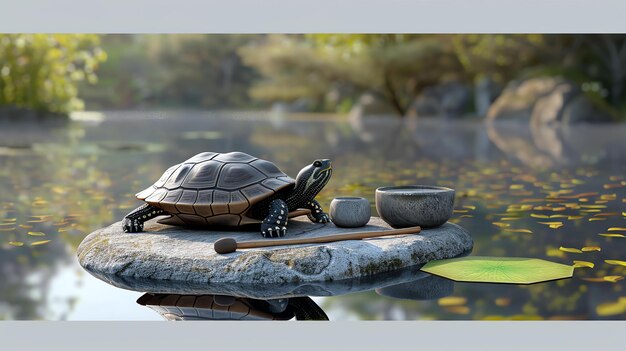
(508, 270)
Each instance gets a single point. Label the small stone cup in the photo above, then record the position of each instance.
(350, 212)
(415, 205)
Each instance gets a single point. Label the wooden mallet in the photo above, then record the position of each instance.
(228, 245)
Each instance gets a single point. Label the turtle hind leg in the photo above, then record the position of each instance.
(275, 224)
(133, 222)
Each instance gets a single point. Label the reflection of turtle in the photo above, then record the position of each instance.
(231, 189)
(217, 307)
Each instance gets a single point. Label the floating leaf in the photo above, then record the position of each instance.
(40, 242)
(559, 216)
(616, 262)
(570, 249)
(528, 231)
(536, 215)
(612, 308)
(574, 217)
(591, 248)
(452, 301)
(580, 264)
(7, 229)
(553, 225)
(457, 309)
(509, 218)
(470, 207)
(36, 234)
(16, 243)
(616, 229)
(514, 270)
(613, 278)
(597, 219)
(25, 226)
(613, 235)
(503, 301)
(501, 225)
(460, 211)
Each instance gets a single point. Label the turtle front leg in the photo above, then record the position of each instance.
(133, 222)
(275, 224)
(317, 214)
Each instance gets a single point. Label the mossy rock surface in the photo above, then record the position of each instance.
(175, 254)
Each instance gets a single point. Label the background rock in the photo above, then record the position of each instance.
(546, 100)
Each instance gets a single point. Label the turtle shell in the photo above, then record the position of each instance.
(215, 189)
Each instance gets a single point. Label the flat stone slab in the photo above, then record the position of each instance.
(171, 254)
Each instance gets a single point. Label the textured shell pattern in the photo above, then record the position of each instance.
(215, 189)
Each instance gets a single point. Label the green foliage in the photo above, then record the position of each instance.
(41, 71)
(184, 70)
(393, 66)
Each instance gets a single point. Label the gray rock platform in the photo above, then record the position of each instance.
(172, 254)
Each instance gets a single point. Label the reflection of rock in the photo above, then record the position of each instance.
(545, 100)
(173, 253)
(427, 287)
(264, 291)
(449, 99)
(534, 145)
(216, 307)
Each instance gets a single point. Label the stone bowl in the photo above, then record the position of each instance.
(350, 212)
(413, 205)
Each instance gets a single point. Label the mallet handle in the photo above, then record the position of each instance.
(327, 239)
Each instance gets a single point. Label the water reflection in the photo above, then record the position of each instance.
(66, 179)
(221, 307)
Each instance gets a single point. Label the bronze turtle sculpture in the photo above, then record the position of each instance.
(231, 189)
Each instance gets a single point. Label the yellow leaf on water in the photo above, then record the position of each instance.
(25, 226)
(16, 243)
(516, 186)
(518, 230)
(616, 229)
(460, 211)
(608, 197)
(452, 301)
(616, 262)
(574, 217)
(7, 229)
(555, 253)
(613, 278)
(570, 249)
(597, 219)
(457, 309)
(466, 216)
(36, 234)
(553, 225)
(502, 301)
(606, 214)
(581, 264)
(40, 242)
(612, 308)
(591, 248)
(509, 218)
(470, 207)
(536, 215)
(613, 235)
(559, 216)
(593, 206)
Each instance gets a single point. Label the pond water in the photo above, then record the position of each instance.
(521, 191)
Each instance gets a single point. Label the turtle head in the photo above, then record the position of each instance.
(313, 178)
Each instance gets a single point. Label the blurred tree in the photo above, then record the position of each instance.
(609, 51)
(396, 67)
(40, 71)
(183, 70)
